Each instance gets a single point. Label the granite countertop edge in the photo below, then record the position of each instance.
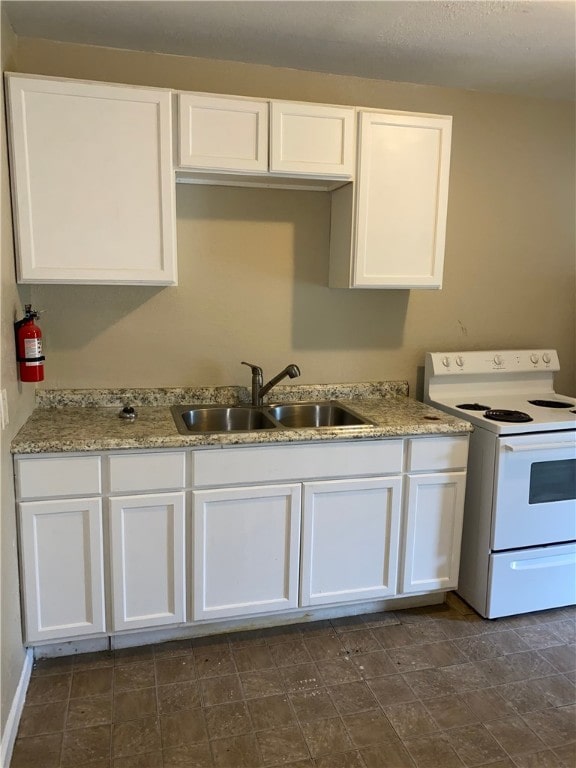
(78, 421)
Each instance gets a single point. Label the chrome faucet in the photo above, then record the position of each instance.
(259, 389)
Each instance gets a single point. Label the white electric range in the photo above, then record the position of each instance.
(519, 538)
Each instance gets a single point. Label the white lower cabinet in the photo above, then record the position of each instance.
(350, 540)
(62, 568)
(147, 545)
(246, 544)
(270, 529)
(434, 512)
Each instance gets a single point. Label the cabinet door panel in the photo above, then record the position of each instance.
(350, 540)
(147, 543)
(223, 133)
(62, 568)
(314, 139)
(435, 509)
(402, 200)
(246, 550)
(92, 177)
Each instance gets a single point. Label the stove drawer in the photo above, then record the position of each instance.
(531, 580)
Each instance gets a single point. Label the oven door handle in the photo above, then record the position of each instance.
(539, 446)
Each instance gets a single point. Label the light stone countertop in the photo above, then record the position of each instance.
(87, 420)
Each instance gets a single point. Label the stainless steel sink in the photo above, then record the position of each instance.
(316, 415)
(204, 419)
(216, 418)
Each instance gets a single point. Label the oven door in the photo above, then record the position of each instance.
(535, 490)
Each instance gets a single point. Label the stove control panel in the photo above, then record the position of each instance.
(507, 361)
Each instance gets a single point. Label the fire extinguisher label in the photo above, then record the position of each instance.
(32, 349)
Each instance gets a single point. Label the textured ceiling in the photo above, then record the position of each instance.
(526, 48)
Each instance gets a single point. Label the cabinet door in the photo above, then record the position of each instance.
(434, 512)
(400, 202)
(223, 133)
(350, 540)
(62, 568)
(93, 185)
(312, 139)
(246, 550)
(147, 544)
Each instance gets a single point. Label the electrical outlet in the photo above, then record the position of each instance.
(4, 410)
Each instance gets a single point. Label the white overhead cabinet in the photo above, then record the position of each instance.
(269, 139)
(93, 177)
(314, 139)
(93, 188)
(389, 230)
(223, 133)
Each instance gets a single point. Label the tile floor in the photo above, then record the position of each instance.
(433, 687)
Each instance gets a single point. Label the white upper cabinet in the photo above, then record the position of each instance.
(389, 232)
(223, 133)
(232, 134)
(312, 139)
(92, 177)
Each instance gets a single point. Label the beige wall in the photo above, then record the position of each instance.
(20, 404)
(254, 264)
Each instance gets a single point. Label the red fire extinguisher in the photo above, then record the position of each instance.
(29, 346)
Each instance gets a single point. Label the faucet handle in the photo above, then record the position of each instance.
(256, 370)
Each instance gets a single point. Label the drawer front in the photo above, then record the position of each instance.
(147, 471)
(531, 580)
(429, 453)
(59, 476)
(295, 462)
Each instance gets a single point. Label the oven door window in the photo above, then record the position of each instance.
(552, 481)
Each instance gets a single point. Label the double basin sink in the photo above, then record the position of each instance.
(194, 419)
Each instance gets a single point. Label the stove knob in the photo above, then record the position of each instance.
(498, 359)
(460, 361)
(534, 358)
(446, 362)
(546, 357)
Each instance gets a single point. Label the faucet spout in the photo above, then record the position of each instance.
(259, 389)
(291, 370)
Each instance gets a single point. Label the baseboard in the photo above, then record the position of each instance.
(11, 729)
